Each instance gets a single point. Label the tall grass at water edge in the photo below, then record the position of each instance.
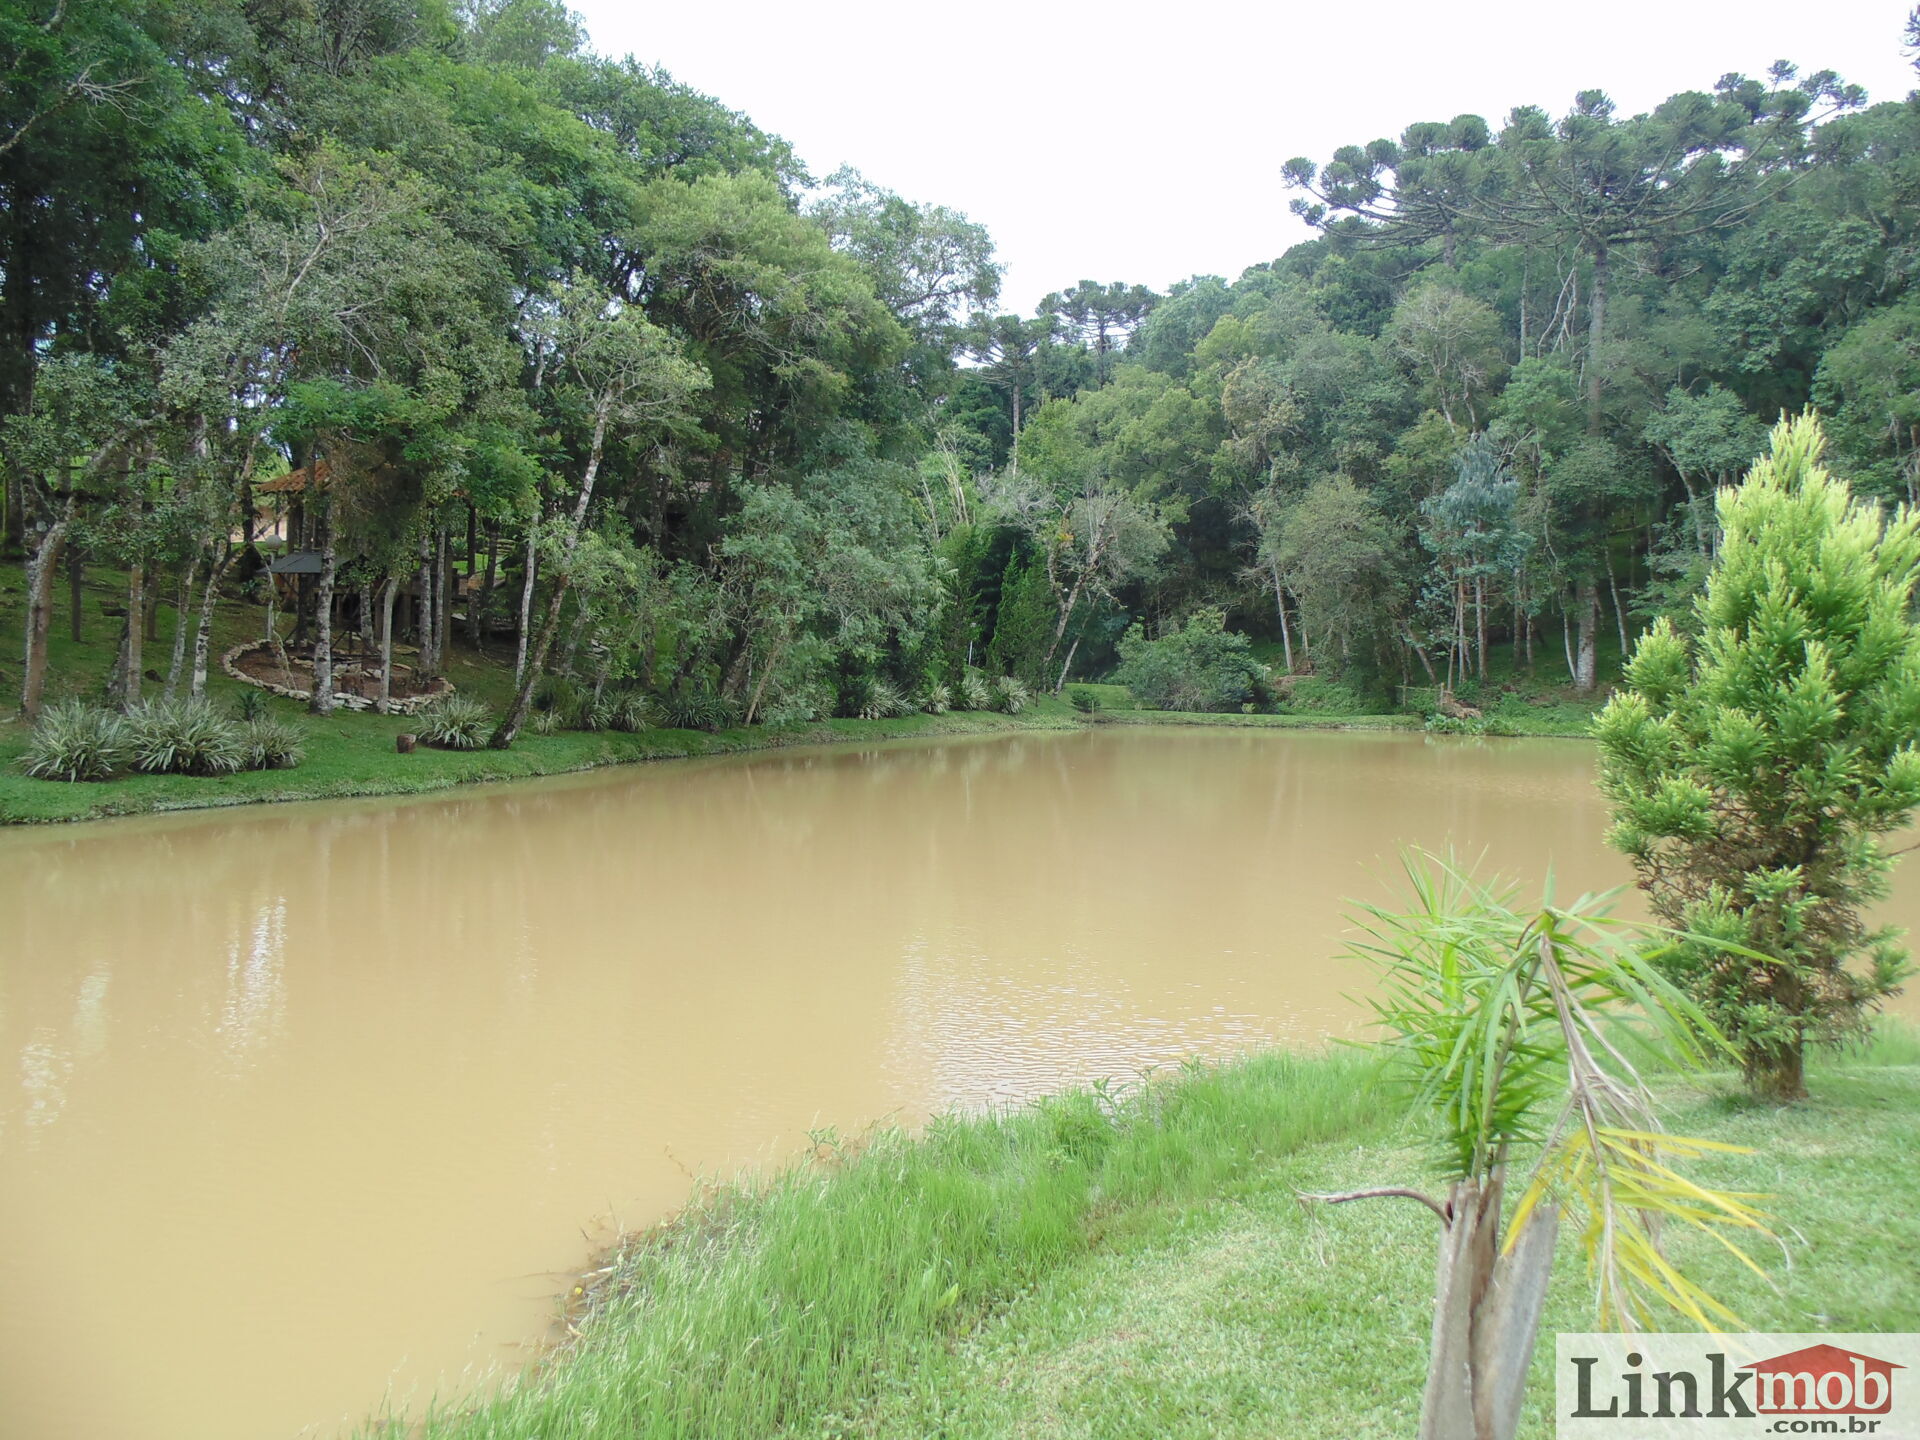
(768, 1301)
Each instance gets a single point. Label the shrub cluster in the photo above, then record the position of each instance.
(1438, 724)
(75, 741)
(1201, 667)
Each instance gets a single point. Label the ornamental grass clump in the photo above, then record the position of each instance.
(455, 722)
(1010, 696)
(183, 737)
(698, 710)
(884, 700)
(975, 692)
(937, 698)
(1756, 764)
(75, 741)
(273, 744)
(629, 712)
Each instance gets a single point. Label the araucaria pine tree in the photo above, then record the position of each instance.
(1755, 764)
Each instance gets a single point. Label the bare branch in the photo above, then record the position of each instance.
(1382, 1192)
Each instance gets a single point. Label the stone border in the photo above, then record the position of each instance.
(412, 704)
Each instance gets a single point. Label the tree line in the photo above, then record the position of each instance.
(552, 343)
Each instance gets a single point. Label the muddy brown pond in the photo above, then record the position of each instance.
(311, 1107)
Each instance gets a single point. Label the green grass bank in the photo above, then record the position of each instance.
(1138, 1263)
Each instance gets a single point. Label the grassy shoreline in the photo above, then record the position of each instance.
(352, 754)
(1138, 1263)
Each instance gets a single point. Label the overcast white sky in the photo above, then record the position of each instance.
(1143, 142)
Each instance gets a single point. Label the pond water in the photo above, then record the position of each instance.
(309, 1105)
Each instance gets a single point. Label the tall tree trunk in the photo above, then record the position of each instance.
(1072, 650)
(526, 605)
(516, 716)
(1586, 675)
(383, 702)
(1566, 641)
(136, 633)
(1480, 620)
(443, 596)
(424, 627)
(1280, 606)
(42, 560)
(1619, 612)
(1596, 336)
(478, 607)
(76, 574)
(322, 701)
(203, 627)
(182, 613)
(570, 652)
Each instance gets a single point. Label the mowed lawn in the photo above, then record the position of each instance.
(1146, 1267)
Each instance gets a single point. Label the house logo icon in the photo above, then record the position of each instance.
(1823, 1380)
(1713, 1385)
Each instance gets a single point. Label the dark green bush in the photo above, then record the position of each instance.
(1202, 666)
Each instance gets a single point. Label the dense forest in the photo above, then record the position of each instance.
(578, 363)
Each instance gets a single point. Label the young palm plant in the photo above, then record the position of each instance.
(1512, 1028)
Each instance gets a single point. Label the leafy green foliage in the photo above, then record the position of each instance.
(1201, 666)
(1010, 695)
(1511, 1029)
(1755, 765)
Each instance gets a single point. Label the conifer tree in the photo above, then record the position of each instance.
(1755, 766)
